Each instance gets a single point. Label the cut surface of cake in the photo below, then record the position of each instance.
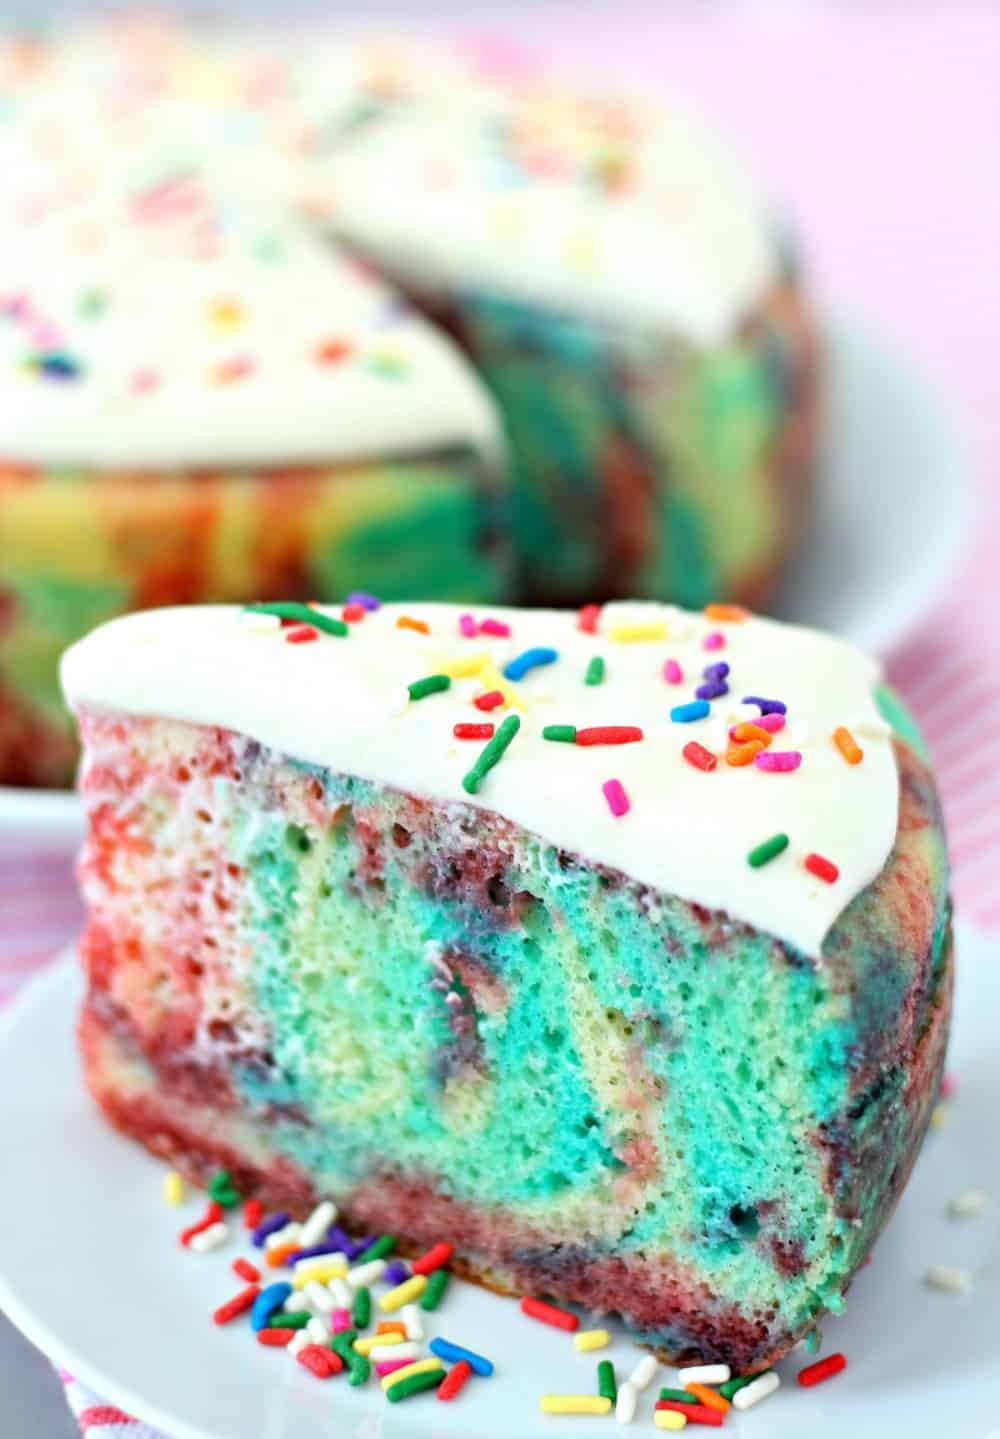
(612, 947)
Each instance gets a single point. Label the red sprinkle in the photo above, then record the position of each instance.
(212, 1215)
(473, 731)
(301, 635)
(694, 1413)
(489, 700)
(438, 1254)
(319, 1361)
(239, 1304)
(276, 1338)
(609, 734)
(253, 1213)
(454, 1380)
(699, 756)
(549, 1314)
(822, 1369)
(351, 614)
(587, 619)
(822, 868)
(245, 1270)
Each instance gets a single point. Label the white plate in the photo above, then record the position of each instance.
(91, 1270)
(885, 537)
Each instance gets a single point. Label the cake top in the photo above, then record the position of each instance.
(737, 762)
(163, 304)
(529, 189)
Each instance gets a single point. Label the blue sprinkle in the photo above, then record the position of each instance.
(529, 660)
(718, 671)
(713, 690)
(367, 602)
(57, 366)
(696, 710)
(396, 1272)
(766, 707)
(454, 1352)
(268, 1302)
(271, 1225)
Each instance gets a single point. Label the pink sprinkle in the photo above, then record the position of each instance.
(672, 672)
(715, 641)
(389, 1366)
(143, 381)
(614, 793)
(778, 762)
(949, 1084)
(494, 627)
(340, 1320)
(772, 723)
(467, 625)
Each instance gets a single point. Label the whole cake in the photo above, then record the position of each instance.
(613, 946)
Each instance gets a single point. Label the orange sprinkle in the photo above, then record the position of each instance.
(741, 754)
(277, 1257)
(405, 622)
(731, 614)
(708, 1397)
(391, 1326)
(848, 745)
(744, 732)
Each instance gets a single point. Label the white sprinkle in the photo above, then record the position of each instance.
(282, 1237)
(410, 1316)
(642, 1375)
(969, 1202)
(364, 1274)
(319, 1297)
(209, 1238)
(341, 1293)
(317, 1263)
(259, 624)
(299, 1340)
(628, 1397)
(295, 1303)
(947, 1281)
(704, 1374)
(317, 1331)
(742, 714)
(873, 725)
(317, 1224)
(380, 1352)
(755, 1392)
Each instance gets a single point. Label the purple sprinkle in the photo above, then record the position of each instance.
(343, 1242)
(778, 762)
(396, 1272)
(314, 1253)
(714, 690)
(766, 707)
(367, 602)
(366, 1242)
(271, 1225)
(718, 671)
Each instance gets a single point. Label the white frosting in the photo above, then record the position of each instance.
(343, 703)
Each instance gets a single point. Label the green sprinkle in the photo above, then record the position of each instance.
(606, 1385)
(341, 1344)
(678, 1396)
(437, 1283)
(491, 754)
(92, 303)
(362, 1311)
(770, 849)
(565, 733)
(222, 1189)
(292, 610)
(432, 685)
(298, 1319)
(595, 672)
(358, 1370)
(415, 1384)
(379, 1249)
(732, 1386)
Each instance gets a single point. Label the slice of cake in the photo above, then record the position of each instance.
(614, 947)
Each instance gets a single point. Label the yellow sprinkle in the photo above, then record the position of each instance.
(369, 1341)
(589, 1339)
(575, 1404)
(323, 1271)
(421, 1366)
(636, 634)
(173, 1188)
(461, 668)
(491, 679)
(938, 1117)
(403, 1293)
(669, 1419)
(226, 314)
